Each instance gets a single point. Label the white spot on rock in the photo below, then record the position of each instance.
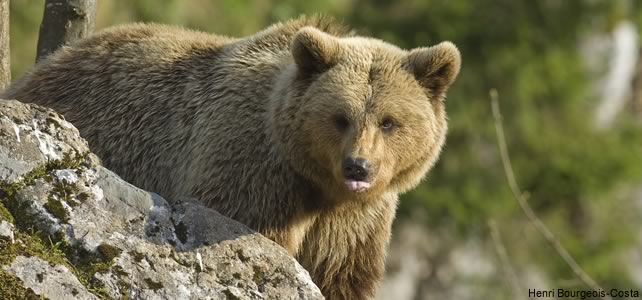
(6, 231)
(257, 293)
(97, 192)
(184, 292)
(66, 124)
(117, 236)
(199, 260)
(45, 143)
(17, 131)
(67, 175)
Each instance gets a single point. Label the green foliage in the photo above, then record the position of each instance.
(527, 50)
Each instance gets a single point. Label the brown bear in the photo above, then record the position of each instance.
(302, 131)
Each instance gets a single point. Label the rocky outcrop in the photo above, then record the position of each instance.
(71, 229)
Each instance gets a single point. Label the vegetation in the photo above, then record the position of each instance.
(29, 241)
(579, 179)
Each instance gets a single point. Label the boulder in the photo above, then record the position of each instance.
(69, 228)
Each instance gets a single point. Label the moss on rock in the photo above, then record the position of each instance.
(5, 214)
(108, 251)
(12, 288)
(57, 209)
(54, 249)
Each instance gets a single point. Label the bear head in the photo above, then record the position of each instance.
(359, 117)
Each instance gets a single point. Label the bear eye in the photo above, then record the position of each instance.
(387, 124)
(341, 122)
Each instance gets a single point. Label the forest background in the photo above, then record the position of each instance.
(569, 79)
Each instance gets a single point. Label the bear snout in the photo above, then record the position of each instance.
(356, 169)
(355, 172)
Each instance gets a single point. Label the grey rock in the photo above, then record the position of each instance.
(6, 230)
(32, 136)
(51, 281)
(151, 249)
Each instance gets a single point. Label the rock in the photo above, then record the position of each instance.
(31, 136)
(56, 282)
(6, 231)
(106, 238)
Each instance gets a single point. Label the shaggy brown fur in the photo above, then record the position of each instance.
(258, 128)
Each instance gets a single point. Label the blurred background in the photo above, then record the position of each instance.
(569, 78)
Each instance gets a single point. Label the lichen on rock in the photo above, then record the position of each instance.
(81, 231)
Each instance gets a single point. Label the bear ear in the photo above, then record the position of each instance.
(435, 67)
(314, 50)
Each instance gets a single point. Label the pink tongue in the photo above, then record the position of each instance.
(356, 186)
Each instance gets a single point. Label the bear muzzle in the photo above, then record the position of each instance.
(355, 172)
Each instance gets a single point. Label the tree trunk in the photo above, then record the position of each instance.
(64, 21)
(637, 86)
(5, 59)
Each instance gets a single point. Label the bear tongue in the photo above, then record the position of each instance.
(357, 186)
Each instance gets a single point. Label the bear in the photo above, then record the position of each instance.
(305, 132)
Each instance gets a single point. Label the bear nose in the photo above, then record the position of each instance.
(355, 168)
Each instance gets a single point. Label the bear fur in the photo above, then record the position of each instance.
(259, 128)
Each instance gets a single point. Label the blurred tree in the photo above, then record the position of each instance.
(5, 58)
(64, 21)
